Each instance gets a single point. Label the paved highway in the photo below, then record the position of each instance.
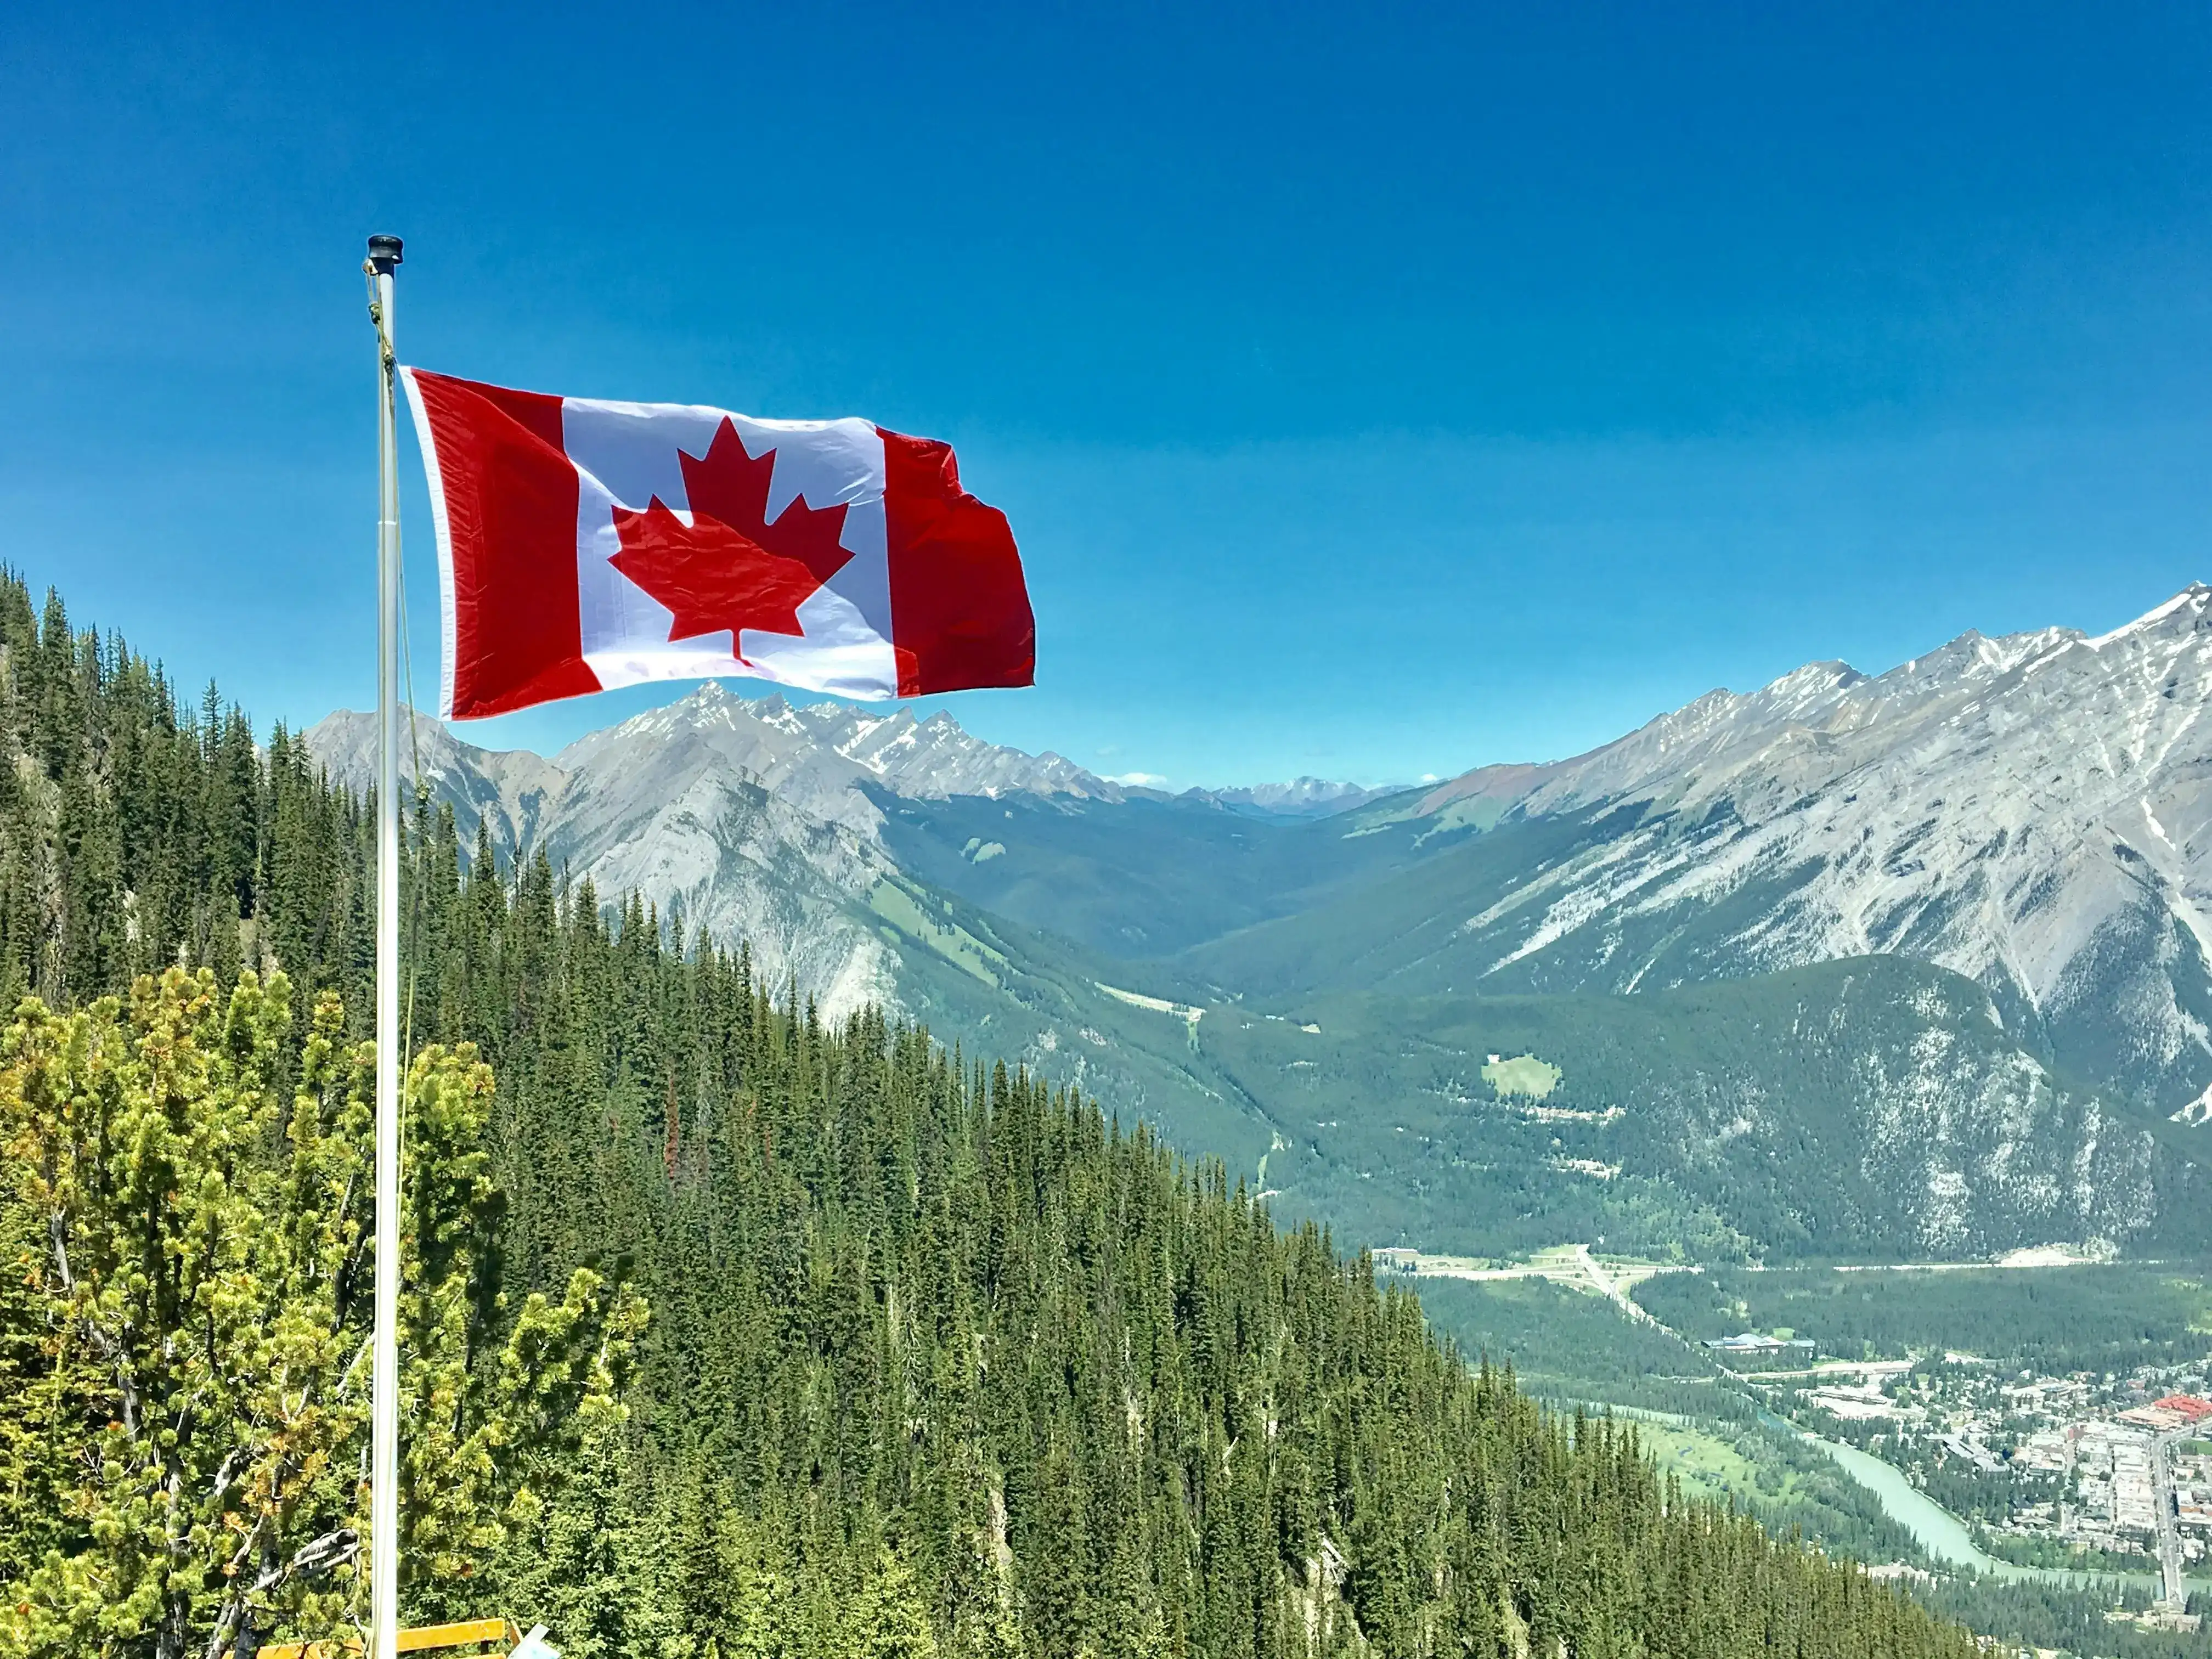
(2169, 1528)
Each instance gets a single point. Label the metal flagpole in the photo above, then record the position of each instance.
(384, 1446)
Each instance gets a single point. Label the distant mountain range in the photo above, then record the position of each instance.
(2030, 811)
(1849, 965)
(1301, 798)
(753, 817)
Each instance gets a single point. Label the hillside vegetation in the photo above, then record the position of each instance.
(1865, 1109)
(1871, 1108)
(1794, 1004)
(934, 1357)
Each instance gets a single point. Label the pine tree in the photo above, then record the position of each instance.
(199, 1292)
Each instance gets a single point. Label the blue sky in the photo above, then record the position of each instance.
(1376, 391)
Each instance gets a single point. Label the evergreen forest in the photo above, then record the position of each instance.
(730, 1331)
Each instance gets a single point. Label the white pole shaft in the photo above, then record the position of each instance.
(384, 1454)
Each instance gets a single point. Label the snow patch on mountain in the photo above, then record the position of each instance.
(752, 818)
(819, 756)
(2033, 812)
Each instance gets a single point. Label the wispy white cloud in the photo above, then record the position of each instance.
(1138, 779)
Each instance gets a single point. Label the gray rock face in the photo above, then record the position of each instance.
(749, 817)
(511, 790)
(818, 758)
(2032, 811)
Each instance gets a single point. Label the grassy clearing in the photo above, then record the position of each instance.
(1524, 1074)
(896, 905)
(1707, 1465)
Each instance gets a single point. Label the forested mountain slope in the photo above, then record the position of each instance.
(939, 1360)
(1090, 1400)
(1969, 811)
(1846, 1110)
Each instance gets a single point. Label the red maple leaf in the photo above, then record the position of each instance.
(730, 569)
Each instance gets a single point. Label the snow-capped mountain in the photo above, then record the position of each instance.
(755, 819)
(2033, 812)
(819, 757)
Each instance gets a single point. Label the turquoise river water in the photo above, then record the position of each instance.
(1938, 1531)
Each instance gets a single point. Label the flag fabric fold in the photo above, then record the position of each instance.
(583, 544)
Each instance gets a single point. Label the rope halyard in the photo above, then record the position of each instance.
(389, 357)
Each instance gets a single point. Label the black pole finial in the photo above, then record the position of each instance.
(384, 253)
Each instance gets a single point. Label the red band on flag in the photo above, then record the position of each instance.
(960, 611)
(508, 497)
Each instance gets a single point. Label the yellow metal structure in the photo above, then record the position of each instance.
(496, 1636)
(468, 1633)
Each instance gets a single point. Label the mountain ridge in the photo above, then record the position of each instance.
(2033, 810)
(2027, 814)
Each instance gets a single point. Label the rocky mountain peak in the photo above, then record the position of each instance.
(511, 790)
(819, 757)
(2032, 810)
(2188, 611)
(760, 818)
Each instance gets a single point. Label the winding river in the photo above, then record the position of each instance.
(1938, 1531)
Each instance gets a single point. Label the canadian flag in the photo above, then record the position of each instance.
(583, 544)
